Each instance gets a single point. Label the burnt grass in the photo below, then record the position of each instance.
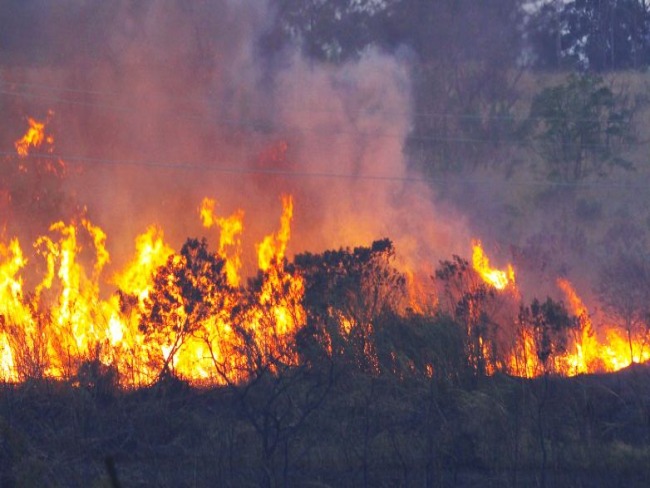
(331, 428)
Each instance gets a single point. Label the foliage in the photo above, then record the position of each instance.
(550, 324)
(418, 345)
(374, 431)
(345, 292)
(581, 128)
(332, 30)
(465, 81)
(591, 34)
(624, 293)
(189, 289)
(482, 315)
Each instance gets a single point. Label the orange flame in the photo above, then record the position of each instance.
(33, 138)
(230, 229)
(607, 351)
(499, 279)
(65, 322)
(274, 246)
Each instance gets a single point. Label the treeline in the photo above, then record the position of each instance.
(579, 34)
(469, 64)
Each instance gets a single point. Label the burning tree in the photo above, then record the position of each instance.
(550, 325)
(624, 292)
(188, 292)
(346, 292)
(478, 299)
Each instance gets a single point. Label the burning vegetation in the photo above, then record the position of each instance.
(351, 243)
(189, 314)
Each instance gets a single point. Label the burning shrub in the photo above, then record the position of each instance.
(189, 291)
(550, 324)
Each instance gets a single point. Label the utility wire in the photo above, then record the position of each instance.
(205, 166)
(262, 126)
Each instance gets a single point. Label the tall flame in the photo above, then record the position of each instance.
(499, 279)
(609, 351)
(230, 229)
(65, 322)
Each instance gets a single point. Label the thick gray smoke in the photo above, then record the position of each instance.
(159, 104)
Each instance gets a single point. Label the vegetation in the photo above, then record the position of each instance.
(381, 395)
(369, 391)
(350, 429)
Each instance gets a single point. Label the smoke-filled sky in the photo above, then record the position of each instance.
(160, 104)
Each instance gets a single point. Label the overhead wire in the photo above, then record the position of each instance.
(206, 166)
(261, 126)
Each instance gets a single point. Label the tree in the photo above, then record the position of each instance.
(544, 30)
(464, 76)
(624, 293)
(330, 30)
(591, 34)
(190, 288)
(480, 311)
(345, 293)
(550, 325)
(608, 35)
(580, 128)
(276, 392)
(419, 346)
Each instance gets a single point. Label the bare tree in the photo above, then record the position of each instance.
(624, 292)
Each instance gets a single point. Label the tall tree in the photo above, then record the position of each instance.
(608, 35)
(591, 34)
(581, 128)
(465, 76)
(480, 311)
(624, 292)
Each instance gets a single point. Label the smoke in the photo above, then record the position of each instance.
(159, 104)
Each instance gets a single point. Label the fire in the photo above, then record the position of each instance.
(230, 229)
(274, 246)
(65, 321)
(187, 313)
(499, 279)
(34, 137)
(524, 362)
(608, 351)
(584, 358)
(151, 253)
(588, 349)
(12, 307)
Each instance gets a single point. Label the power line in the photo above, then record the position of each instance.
(287, 173)
(262, 127)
